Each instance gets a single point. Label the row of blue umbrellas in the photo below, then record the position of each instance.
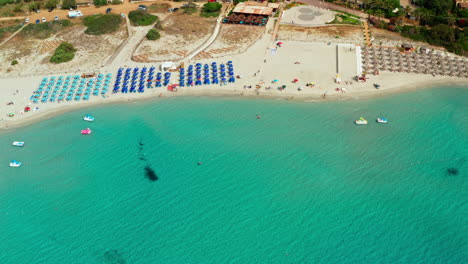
(129, 80)
(206, 78)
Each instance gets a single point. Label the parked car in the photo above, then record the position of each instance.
(38, 11)
(142, 7)
(38, 21)
(51, 9)
(175, 9)
(56, 18)
(44, 20)
(26, 20)
(108, 10)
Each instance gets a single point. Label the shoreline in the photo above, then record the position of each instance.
(33, 118)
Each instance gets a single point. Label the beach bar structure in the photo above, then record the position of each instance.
(251, 13)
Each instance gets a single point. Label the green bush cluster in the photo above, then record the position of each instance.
(141, 18)
(66, 4)
(6, 2)
(14, 62)
(153, 34)
(99, 3)
(64, 52)
(102, 24)
(51, 4)
(211, 9)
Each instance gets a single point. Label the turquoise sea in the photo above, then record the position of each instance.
(303, 184)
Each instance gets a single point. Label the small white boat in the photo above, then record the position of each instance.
(18, 143)
(88, 118)
(15, 163)
(382, 120)
(361, 121)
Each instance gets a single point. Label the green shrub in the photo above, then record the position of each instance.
(211, 9)
(51, 4)
(99, 3)
(18, 8)
(34, 6)
(67, 4)
(14, 62)
(64, 52)
(102, 24)
(116, 2)
(141, 18)
(153, 34)
(6, 2)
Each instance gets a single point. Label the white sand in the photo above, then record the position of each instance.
(317, 64)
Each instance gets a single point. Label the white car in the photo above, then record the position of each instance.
(56, 18)
(44, 20)
(26, 20)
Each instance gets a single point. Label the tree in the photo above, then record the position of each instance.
(51, 4)
(379, 13)
(99, 3)
(34, 6)
(408, 10)
(67, 4)
(212, 7)
(422, 14)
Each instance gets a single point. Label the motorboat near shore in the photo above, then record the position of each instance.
(15, 163)
(18, 143)
(88, 118)
(86, 131)
(382, 120)
(361, 121)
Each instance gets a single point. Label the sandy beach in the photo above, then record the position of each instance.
(318, 60)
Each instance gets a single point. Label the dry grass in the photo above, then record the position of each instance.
(341, 30)
(238, 34)
(188, 27)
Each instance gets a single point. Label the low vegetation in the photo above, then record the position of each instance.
(153, 34)
(64, 52)
(8, 29)
(45, 30)
(141, 18)
(14, 62)
(158, 8)
(102, 24)
(345, 19)
(189, 8)
(211, 9)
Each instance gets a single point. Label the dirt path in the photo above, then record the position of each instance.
(13, 35)
(124, 8)
(208, 42)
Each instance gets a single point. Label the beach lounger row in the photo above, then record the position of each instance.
(71, 88)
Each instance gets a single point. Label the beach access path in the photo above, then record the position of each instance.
(210, 40)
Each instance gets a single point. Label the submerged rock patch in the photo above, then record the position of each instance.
(150, 174)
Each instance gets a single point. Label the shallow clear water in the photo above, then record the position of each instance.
(303, 184)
